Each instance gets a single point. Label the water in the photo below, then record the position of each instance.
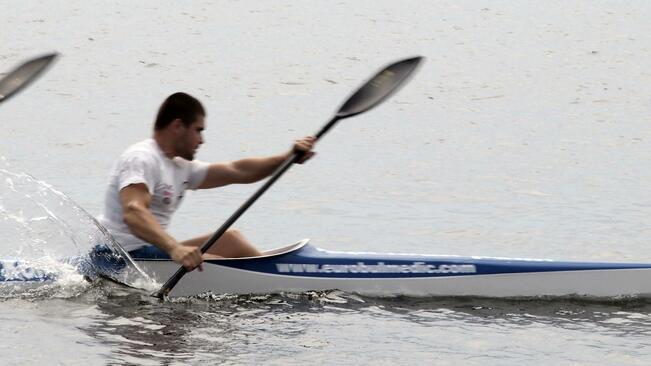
(329, 328)
(526, 134)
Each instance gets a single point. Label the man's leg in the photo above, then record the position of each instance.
(231, 245)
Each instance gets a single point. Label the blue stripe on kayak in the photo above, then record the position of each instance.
(25, 274)
(101, 261)
(311, 262)
(149, 252)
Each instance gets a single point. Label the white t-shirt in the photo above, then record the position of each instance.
(165, 178)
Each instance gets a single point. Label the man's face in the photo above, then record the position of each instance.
(190, 138)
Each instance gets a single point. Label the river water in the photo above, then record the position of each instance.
(526, 134)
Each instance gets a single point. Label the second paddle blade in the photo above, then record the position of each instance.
(23, 75)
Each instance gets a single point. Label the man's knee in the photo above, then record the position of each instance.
(234, 233)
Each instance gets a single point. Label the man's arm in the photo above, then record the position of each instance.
(247, 170)
(251, 170)
(135, 200)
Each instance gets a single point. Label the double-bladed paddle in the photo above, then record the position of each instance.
(373, 92)
(23, 75)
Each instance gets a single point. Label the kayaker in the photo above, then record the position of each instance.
(149, 179)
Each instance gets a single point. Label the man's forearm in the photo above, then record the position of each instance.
(255, 169)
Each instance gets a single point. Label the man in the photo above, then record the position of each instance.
(150, 178)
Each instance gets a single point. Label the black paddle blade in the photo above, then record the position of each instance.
(23, 75)
(379, 87)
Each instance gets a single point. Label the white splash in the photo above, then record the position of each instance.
(51, 235)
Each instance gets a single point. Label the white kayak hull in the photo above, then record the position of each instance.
(419, 275)
(597, 283)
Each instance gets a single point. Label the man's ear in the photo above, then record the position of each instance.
(177, 124)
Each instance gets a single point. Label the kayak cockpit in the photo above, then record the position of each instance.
(270, 253)
(285, 249)
(144, 255)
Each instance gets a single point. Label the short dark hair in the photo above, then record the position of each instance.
(178, 105)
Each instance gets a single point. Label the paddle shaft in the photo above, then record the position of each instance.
(169, 285)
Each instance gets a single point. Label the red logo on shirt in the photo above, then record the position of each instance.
(167, 194)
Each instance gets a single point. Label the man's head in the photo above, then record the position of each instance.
(181, 120)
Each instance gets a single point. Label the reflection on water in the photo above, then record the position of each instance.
(335, 326)
(109, 324)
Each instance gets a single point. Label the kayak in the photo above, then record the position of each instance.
(302, 267)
